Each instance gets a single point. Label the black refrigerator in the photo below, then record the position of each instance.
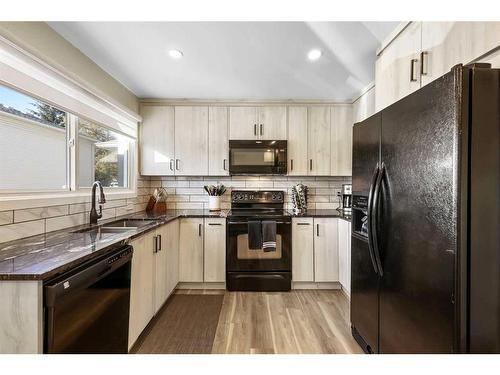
(425, 249)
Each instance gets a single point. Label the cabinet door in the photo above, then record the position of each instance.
(394, 78)
(161, 268)
(302, 249)
(344, 237)
(191, 141)
(243, 123)
(318, 141)
(341, 133)
(218, 141)
(446, 44)
(297, 141)
(272, 123)
(172, 250)
(157, 140)
(215, 250)
(142, 286)
(326, 254)
(191, 250)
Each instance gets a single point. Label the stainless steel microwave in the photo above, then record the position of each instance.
(257, 157)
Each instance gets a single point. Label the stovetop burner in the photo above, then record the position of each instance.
(258, 204)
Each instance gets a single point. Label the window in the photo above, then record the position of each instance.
(33, 144)
(37, 152)
(103, 155)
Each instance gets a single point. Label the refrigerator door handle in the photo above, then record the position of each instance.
(369, 216)
(374, 222)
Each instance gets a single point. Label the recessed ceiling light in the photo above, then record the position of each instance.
(175, 54)
(314, 54)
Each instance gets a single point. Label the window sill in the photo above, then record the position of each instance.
(19, 202)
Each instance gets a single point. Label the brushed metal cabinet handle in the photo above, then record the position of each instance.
(159, 242)
(177, 162)
(291, 164)
(172, 165)
(423, 62)
(155, 250)
(199, 230)
(224, 164)
(412, 70)
(261, 129)
(218, 224)
(303, 223)
(254, 129)
(317, 230)
(310, 164)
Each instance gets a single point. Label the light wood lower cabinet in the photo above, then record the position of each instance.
(302, 249)
(345, 255)
(142, 284)
(172, 250)
(215, 250)
(326, 252)
(155, 270)
(191, 250)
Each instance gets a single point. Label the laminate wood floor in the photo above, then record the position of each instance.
(300, 321)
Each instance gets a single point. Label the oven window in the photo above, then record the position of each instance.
(254, 157)
(244, 253)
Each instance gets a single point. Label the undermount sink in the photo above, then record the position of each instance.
(126, 223)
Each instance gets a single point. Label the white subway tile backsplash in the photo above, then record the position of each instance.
(175, 184)
(61, 222)
(79, 207)
(189, 206)
(189, 191)
(39, 213)
(6, 217)
(16, 231)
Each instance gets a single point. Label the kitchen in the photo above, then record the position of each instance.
(307, 203)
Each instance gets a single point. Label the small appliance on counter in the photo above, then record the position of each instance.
(346, 197)
(299, 198)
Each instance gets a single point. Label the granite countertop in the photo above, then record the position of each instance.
(323, 213)
(44, 256)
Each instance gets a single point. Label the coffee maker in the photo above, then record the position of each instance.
(346, 197)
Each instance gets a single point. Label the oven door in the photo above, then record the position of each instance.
(241, 258)
(257, 157)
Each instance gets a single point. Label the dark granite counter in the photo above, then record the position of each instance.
(323, 213)
(44, 256)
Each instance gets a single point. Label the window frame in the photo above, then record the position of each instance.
(17, 199)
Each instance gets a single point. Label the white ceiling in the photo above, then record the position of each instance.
(233, 60)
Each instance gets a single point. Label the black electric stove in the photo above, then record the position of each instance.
(256, 270)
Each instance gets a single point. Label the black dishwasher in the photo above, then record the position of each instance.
(87, 309)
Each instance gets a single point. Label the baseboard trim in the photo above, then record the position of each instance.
(313, 285)
(185, 285)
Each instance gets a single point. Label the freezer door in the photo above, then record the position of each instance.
(365, 153)
(417, 219)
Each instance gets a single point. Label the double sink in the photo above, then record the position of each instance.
(118, 226)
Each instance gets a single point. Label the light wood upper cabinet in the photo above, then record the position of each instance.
(318, 141)
(272, 122)
(344, 238)
(157, 140)
(218, 141)
(397, 67)
(215, 250)
(191, 250)
(445, 44)
(303, 249)
(364, 106)
(191, 141)
(297, 141)
(326, 254)
(142, 285)
(243, 123)
(341, 140)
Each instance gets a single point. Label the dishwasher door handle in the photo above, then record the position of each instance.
(85, 275)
